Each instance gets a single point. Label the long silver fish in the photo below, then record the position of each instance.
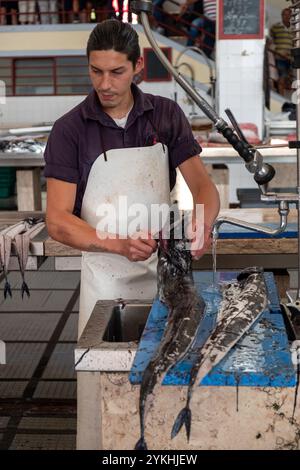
(6, 237)
(177, 291)
(22, 242)
(243, 302)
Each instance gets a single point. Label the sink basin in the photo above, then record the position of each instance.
(110, 339)
(126, 324)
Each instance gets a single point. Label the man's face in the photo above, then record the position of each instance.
(286, 17)
(111, 74)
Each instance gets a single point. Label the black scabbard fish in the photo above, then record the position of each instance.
(243, 302)
(186, 308)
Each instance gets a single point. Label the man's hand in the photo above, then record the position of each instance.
(139, 247)
(201, 241)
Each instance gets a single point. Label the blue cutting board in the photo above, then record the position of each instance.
(261, 358)
(231, 231)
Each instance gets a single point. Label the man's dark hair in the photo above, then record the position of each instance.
(113, 34)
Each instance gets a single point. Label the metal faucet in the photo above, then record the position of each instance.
(212, 78)
(192, 72)
(283, 211)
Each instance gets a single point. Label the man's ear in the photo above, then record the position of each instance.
(139, 65)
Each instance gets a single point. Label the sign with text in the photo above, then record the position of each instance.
(241, 19)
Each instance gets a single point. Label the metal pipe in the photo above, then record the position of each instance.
(188, 66)
(296, 21)
(192, 72)
(283, 211)
(201, 102)
(199, 51)
(212, 78)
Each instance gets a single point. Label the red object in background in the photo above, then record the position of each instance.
(250, 131)
(215, 139)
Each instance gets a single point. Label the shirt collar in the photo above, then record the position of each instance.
(92, 109)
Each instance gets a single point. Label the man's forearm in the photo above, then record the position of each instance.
(209, 197)
(75, 232)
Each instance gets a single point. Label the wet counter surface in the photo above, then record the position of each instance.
(261, 358)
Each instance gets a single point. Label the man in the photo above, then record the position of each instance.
(203, 28)
(117, 143)
(282, 39)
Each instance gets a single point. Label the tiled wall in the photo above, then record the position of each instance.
(24, 111)
(33, 110)
(240, 80)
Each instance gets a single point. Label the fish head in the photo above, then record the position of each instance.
(176, 253)
(246, 273)
(174, 263)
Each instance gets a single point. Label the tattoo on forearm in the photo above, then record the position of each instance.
(96, 248)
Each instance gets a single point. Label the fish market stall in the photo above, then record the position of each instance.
(25, 153)
(246, 402)
(28, 178)
(35, 257)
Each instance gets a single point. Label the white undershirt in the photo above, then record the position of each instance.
(122, 121)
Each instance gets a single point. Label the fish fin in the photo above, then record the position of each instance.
(184, 418)
(7, 290)
(24, 289)
(141, 444)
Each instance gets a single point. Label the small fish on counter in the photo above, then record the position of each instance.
(22, 243)
(18, 235)
(23, 144)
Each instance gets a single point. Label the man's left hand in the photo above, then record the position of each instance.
(201, 241)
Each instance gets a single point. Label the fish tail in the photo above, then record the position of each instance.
(296, 389)
(24, 289)
(183, 418)
(7, 290)
(141, 444)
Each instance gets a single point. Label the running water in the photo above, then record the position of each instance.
(214, 256)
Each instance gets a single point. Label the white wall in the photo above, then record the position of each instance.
(168, 90)
(240, 80)
(33, 110)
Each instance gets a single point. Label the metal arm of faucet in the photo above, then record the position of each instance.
(283, 211)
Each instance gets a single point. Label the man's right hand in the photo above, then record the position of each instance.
(67, 228)
(139, 247)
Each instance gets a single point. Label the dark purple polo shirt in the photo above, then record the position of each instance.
(75, 141)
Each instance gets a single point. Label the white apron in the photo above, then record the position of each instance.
(129, 177)
(141, 175)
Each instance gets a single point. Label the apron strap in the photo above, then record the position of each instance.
(157, 132)
(102, 143)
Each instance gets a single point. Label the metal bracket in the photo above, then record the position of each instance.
(294, 144)
(291, 315)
